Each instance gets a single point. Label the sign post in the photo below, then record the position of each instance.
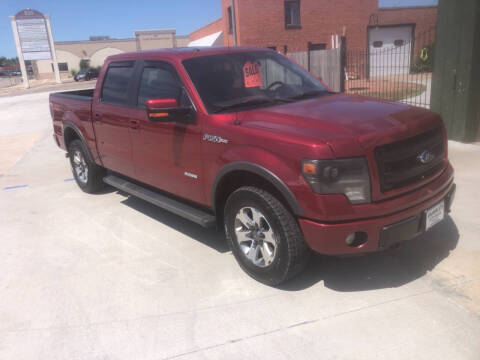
(52, 46)
(34, 41)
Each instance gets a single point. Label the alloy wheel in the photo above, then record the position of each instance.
(255, 236)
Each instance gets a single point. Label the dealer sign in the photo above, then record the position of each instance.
(33, 34)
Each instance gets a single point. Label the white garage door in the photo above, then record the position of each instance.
(390, 50)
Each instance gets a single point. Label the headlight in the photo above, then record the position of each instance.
(343, 176)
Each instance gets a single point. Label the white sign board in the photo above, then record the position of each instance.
(33, 35)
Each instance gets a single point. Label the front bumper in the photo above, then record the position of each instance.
(382, 232)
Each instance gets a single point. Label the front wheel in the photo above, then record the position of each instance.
(264, 236)
(87, 174)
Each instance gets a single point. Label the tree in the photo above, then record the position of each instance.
(8, 61)
(84, 64)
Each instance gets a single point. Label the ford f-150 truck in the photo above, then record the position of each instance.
(246, 140)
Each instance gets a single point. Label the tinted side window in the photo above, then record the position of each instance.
(158, 83)
(115, 86)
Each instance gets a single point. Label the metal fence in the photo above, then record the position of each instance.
(401, 71)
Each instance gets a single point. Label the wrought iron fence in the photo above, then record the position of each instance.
(401, 71)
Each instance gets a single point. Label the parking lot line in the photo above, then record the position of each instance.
(15, 187)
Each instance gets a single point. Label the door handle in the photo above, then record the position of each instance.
(133, 124)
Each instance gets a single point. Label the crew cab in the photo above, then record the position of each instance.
(246, 140)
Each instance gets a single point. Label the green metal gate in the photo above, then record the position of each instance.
(456, 76)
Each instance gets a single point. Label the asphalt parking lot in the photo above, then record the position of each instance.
(111, 277)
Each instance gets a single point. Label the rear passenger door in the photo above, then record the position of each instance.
(167, 155)
(111, 118)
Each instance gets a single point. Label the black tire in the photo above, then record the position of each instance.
(292, 253)
(91, 181)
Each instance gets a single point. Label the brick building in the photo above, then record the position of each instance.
(290, 25)
(98, 48)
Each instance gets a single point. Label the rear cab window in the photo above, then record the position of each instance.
(115, 89)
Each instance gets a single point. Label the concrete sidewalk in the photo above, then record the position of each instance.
(423, 99)
(111, 277)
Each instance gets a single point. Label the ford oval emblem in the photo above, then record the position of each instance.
(426, 157)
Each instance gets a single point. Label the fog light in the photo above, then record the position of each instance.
(356, 239)
(350, 239)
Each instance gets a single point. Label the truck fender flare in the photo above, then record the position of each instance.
(262, 172)
(70, 125)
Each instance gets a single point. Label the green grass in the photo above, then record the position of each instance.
(401, 92)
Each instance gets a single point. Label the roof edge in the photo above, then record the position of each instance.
(411, 7)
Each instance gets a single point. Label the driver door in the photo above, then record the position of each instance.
(167, 155)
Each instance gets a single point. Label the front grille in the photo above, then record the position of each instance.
(399, 165)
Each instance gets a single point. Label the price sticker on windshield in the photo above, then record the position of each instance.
(252, 74)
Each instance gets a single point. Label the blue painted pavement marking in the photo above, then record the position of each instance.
(15, 187)
(68, 179)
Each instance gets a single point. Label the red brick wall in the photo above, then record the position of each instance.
(208, 29)
(262, 23)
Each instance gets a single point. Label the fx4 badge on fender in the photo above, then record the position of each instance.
(215, 139)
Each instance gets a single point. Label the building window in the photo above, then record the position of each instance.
(292, 14)
(313, 47)
(62, 66)
(230, 20)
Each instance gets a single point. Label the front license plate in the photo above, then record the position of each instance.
(434, 215)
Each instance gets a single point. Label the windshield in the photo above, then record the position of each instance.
(240, 80)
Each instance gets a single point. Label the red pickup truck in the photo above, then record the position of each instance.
(246, 140)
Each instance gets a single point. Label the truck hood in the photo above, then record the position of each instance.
(342, 122)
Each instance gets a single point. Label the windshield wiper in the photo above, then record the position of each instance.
(309, 94)
(247, 103)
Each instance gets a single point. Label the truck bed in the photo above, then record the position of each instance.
(86, 94)
(74, 108)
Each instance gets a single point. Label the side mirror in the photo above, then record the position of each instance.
(161, 109)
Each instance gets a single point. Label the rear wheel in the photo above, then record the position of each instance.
(264, 236)
(87, 174)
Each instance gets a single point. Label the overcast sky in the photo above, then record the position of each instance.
(79, 19)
